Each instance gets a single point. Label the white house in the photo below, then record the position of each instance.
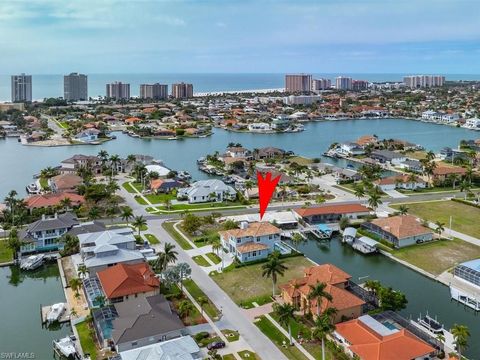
(207, 190)
(350, 148)
(237, 152)
(431, 115)
(253, 241)
(401, 182)
(473, 124)
(259, 127)
(86, 136)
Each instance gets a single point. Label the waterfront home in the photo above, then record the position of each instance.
(443, 171)
(329, 213)
(74, 163)
(52, 201)
(252, 241)
(350, 149)
(431, 115)
(237, 152)
(284, 178)
(103, 249)
(160, 170)
(122, 282)
(412, 165)
(207, 190)
(346, 175)
(406, 182)
(473, 124)
(184, 348)
(65, 183)
(400, 230)
(259, 127)
(387, 156)
(284, 219)
(164, 185)
(138, 322)
(367, 140)
(366, 338)
(88, 135)
(281, 122)
(269, 153)
(43, 234)
(296, 292)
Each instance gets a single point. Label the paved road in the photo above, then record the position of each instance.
(231, 312)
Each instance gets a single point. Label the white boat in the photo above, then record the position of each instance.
(32, 262)
(66, 346)
(56, 310)
(430, 324)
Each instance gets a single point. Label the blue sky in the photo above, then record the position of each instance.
(165, 36)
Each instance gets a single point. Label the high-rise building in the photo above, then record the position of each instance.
(421, 81)
(298, 83)
(118, 90)
(321, 84)
(75, 87)
(21, 88)
(359, 85)
(182, 90)
(153, 91)
(343, 83)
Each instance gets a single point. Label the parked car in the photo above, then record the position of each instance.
(216, 345)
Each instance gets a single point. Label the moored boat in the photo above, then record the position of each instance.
(66, 347)
(32, 262)
(56, 311)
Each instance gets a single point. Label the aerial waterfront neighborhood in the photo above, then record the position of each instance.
(260, 180)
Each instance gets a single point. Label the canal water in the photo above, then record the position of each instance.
(423, 294)
(18, 163)
(21, 294)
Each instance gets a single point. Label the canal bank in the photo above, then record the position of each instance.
(21, 295)
(423, 293)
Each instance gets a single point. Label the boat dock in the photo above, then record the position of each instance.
(44, 310)
(320, 231)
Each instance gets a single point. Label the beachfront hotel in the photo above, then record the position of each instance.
(321, 84)
(421, 81)
(154, 91)
(118, 90)
(75, 87)
(21, 88)
(298, 82)
(182, 90)
(343, 83)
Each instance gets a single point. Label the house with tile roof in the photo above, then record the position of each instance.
(164, 185)
(329, 213)
(128, 281)
(348, 305)
(65, 183)
(368, 339)
(43, 201)
(403, 181)
(252, 241)
(400, 230)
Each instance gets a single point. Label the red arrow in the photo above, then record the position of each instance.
(266, 187)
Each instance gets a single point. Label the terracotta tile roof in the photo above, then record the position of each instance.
(251, 246)
(156, 183)
(67, 181)
(446, 170)
(401, 226)
(369, 345)
(47, 200)
(123, 279)
(341, 300)
(332, 209)
(253, 229)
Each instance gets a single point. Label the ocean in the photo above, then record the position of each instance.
(45, 86)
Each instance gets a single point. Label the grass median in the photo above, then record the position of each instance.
(184, 244)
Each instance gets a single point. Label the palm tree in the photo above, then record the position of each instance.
(359, 190)
(465, 187)
(440, 227)
(344, 222)
(168, 203)
(75, 284)
(202, 301)
(94, 213)
(114, 160)
(167, 256)
(73, 313)
(324, 327)
(14, 243)
(11, 200)
(403, 209)
(139, 222)
(374, 199)
(460, 335)
(66, 203)
(453, 178)
(285, 313)
(82, 271)
(103, 155)
(274, 267)
(216, 245)
(373, 286)
(319, 293)
(185, 308)
(127, 213)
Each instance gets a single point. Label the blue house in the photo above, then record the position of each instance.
(43, 235)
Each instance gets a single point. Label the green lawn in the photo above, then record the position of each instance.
(197, 293)
(86, 340)
(140, 200)
(246, 354)
(159, 198)
(152, 239)
(127, 186)
(200, 260)
(177, 207)
(300, 160)
(246, 284)
(278, 339)
(231, 335)
(214, 258)
(5, 253)
(465, 218)
(185, 245)
(228, 357)
(438, 256)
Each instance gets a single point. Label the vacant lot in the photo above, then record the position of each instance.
(438, 256)
(465, 218)
(245, 283)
